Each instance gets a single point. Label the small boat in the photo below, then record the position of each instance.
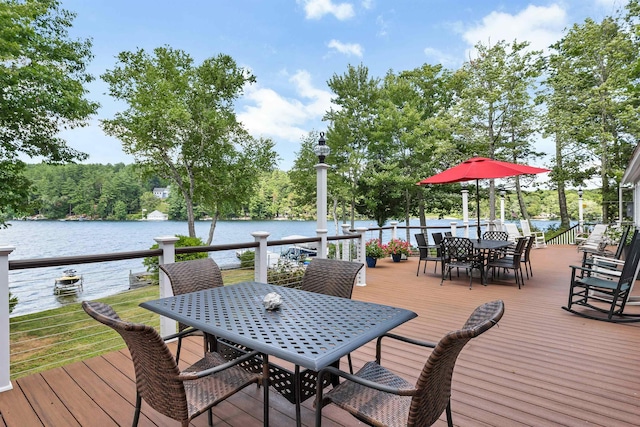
(69, 281)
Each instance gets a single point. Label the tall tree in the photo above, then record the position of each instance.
(592, 108)
(351, 125)
(180, 124)
(493, 110)
(42, 78)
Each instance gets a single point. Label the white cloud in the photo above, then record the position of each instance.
(367, 4)
(316, 9)
(440, 57)
(383, 27)
(539, 25)
(346, 48)
(273, 115)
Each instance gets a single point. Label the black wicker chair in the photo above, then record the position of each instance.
(192, 276)
(180, 395)
(428, 252)
(459, 253)
(511, 262)
(377, 396)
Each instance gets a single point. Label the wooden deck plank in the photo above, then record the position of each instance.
(85, 410)
(541, 366)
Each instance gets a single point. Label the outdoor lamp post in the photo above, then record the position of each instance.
(502, 194)
(322, 151)
(580, 212)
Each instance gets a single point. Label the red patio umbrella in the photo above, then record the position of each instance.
(479, 168)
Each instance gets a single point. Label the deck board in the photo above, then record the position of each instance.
(542, 366)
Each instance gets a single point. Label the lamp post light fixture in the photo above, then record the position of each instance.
(322, 151)
(502, 194)
(580, 211)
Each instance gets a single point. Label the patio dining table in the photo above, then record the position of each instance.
(310, 330)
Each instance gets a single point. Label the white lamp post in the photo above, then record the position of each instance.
(502, 194)
(322, 151)
(580, 212)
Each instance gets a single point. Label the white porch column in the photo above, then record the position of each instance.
(465, 211)
(346, 244)
(454, 229)
(5, 337)
(362, 253)
(321, 189)
(261, 258)
(394, 229)
(168, 246)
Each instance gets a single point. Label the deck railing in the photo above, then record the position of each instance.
(351, 245)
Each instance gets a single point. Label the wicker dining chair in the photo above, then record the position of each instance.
(458, 253)
(377, 396)
(331, 277)
(180, 395)
(495, 235)
(427, 252)
(191, 276)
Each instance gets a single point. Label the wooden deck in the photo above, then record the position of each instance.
(541, 367)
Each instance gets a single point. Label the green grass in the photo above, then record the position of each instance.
(56, 337)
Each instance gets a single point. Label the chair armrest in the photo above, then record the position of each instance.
(182, 333)
(187, 376)
(400, 338)
(602, 271)
(361, 381)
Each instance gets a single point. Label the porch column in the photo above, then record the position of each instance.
(362, 251)
(261, 258)
(168, 246)
(346, 244)
(5, 337)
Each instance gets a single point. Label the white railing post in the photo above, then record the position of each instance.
(454, 226)
(394, 229)
(362, 253)
(168, 246)
(346, 244)
(322, 249)
(261, 258)
(5, 336)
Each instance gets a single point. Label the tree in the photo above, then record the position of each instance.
(42, 76)
(495, 114)
(592, 107)
(180, 125)
(351, 125)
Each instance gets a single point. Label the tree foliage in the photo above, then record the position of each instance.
(42, 78)
(180, 125)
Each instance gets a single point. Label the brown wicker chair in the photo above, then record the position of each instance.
(191, 276)
(377, 396)
(331, 277)
(184, 395)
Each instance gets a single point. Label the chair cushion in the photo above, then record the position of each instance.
(371, 405)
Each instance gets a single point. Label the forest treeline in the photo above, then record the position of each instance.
(118, 192)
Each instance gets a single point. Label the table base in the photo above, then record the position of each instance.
(281, 379)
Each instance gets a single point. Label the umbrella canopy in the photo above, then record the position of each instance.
(479, 168)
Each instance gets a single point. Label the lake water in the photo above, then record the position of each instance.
(44, 239)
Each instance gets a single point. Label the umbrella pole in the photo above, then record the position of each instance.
(478, 205)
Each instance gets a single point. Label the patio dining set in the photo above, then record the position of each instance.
(249, 329)
(495, 252)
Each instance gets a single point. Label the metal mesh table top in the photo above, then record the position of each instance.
(309, 329)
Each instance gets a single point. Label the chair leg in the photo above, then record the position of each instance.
(136, 415)
(418, 271)
(350, 363)
(449, 417)
(210, 417)
(178, 349)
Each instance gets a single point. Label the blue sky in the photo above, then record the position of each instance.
(294, 47)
